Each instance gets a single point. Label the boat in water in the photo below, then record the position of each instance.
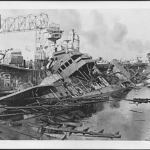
(73, 84)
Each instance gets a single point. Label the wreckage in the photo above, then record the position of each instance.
(51, 104)
(33, 105)
(69, 93)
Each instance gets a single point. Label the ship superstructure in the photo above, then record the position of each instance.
(75, 68)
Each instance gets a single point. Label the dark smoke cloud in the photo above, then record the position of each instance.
(96, 35)
(104, 40)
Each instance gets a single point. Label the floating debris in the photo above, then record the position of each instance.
(136, 111)
(139, 120)
(141, 131)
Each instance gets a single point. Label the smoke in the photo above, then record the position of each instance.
(135, 45)
(97, 35)
(101, 40)
(111, 41)
(119, 32)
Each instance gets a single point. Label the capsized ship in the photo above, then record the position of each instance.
(71, 71)
(73, 83)
(76, 70)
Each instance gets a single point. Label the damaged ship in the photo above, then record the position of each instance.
(73, 83)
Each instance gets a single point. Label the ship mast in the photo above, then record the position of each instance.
(55, 33)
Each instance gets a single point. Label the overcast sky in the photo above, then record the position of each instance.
(110, 33)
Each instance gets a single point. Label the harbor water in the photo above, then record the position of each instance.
(130, 119)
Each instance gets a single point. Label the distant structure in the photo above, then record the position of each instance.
(46, 33)
(74, 40)
(139, 59)
(148, 57)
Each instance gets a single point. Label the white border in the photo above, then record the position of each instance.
(75, 5)
(74, 144)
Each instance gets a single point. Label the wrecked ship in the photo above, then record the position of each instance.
(68, 94)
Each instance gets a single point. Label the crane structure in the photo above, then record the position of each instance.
(38, 23)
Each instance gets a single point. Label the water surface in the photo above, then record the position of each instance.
(118, 116)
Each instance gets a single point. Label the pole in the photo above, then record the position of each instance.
(54, 94)
(83, 75)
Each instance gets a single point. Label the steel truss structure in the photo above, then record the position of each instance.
(38, 23)
(25, 23)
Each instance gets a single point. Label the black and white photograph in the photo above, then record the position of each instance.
(69, 72)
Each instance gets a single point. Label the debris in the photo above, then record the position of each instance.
(91, 133)
(65, 137)
(69, 93)
(141, 131)
(139, 120)
(101, 131)
(139, 100)
(136, 111)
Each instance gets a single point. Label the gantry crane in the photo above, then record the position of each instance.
(38, 23)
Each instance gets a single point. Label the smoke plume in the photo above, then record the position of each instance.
(110, 42)
(101, 40)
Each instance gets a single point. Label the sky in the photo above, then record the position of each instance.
(108, 33)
